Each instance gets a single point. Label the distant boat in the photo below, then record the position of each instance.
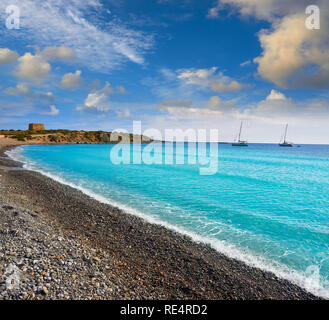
(239, 142)
(285, 143)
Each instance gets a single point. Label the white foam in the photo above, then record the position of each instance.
(310, 280)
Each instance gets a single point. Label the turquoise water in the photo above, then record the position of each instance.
(267, 206)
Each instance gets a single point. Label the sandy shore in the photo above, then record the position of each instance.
(66, 245)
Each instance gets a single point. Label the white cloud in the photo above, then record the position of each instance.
(7, 56)
(61, 52)
(245, 63)
(226, 86)
(24, 90)
(71, 80)
(53, 111)
(168, 74)
(217, 103)
(264, 119)
(273, 110)
(290, 49)
(209, 78)
(265, 9)
(213, 13)
(98, 45)
(197, 76)
(215, 107)
(277, 108)
(98, 100)
(128, 52)
(32, 67)
(292, 56)
(276, 95)
(36, 67)
(192, 113)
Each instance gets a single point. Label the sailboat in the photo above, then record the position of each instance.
(239, 142)
(285, 143)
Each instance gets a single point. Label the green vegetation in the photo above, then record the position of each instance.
(33, 132)
(23, 135)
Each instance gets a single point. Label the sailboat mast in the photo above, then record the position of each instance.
(285, 143)
(285, 134)
(240, 131)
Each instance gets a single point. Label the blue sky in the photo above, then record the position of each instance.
(170, 63)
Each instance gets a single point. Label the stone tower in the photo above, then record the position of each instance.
(36, 126)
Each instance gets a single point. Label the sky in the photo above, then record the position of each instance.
(101, 64)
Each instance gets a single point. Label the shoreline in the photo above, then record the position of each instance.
(151, 261)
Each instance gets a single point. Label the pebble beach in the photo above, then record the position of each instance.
(58, 243)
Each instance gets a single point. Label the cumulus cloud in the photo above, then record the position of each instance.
(226, 86)
(36, 67)
(209, 78)
(53, 111)
(21, 89)
(293, 56)
(277, 108)
(276, 95)
(80, 25)
(290, 49)
(61, 52)
(98, 100)
(7, 56)
(32, 67)
(217, 103)
(71, 80)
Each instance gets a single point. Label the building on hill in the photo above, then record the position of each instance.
(36, 126)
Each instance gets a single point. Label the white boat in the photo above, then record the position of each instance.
(239, 142)
(285, 143)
